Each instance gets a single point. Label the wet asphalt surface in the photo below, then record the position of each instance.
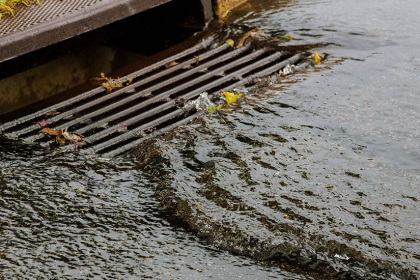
(317, 168)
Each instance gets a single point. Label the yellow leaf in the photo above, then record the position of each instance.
(317, 58)
(214, 108)
(231, 97)
(230, 42)
(173, 63)
(287, 37)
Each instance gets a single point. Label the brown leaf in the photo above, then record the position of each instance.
(52, 114)
(70, 136)
(173, 63)
(253, 32)
(108, 87)
(63, 137)
(50, 131)
(129, 81)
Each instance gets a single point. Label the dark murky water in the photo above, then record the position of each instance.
(323, 163)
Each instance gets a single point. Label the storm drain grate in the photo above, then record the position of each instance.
(153, 103)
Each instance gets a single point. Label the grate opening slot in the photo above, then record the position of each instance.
(143, 122)
(231, 62)
(197, 91)
(189, 89)
(180, 83)
(158, 127)
(255, 61)
(136, 131)
(59, 106)
(160, 97)
(261, 68)
(124, 148)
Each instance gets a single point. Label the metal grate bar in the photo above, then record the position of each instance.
(248, 80)
(165, 129)
(139, 131)
(128, 89)
(161, 97)
(156, 99)
(190, 95)
(171, 103)
(203, 45)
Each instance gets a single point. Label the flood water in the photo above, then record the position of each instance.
(315, 176)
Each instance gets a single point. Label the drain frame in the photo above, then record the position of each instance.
(156, 96)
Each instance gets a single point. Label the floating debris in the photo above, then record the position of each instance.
(52, 114)
(289, 69)
(42, 123)
(317, 58)
(287, 37)
(230, 42)
(231, 97)
(214, 108)
(109, 83)
(252, 33)
(124, 127)
(130, 80)
(341, 257)
(171, 64)
(63, 137)
(203, 102)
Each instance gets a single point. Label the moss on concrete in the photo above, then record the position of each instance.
(8, 7)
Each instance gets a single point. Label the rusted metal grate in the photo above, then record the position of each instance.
(155, 99)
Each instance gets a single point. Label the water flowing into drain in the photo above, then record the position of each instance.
(155, 98)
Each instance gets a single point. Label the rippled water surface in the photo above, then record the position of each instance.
(317, 168)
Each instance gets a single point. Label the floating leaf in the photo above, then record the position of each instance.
(63, 137)
(49, 131)
(230, 42)
(317, 58)
(287, 37)
(253, 32)
(214, 108)
(231, 97)
(173, 63)
(42, 123)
